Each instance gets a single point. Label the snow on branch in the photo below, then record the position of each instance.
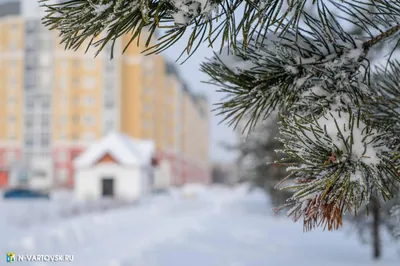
(187, 10)
(384, 109)
(342, 160)
(302, 72)
(81, 20)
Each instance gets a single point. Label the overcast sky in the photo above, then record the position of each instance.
(194, 77)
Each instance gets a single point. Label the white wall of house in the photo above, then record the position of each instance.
(128, 183)
(146, 179)
(162, 175)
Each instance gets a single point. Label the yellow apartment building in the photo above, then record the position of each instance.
(57, 101)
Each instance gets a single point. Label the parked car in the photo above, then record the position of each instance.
(24, 193)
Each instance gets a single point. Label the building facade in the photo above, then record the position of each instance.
(57, 102)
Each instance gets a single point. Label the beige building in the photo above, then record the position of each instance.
(57, 102)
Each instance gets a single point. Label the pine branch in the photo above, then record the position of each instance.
(384, 109)
(335, 172)
(367, 45)
(282, 73)
(82, 21)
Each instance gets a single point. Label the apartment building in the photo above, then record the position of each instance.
(58, 102)
(187, 145)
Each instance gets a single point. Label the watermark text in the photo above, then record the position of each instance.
(12, 257)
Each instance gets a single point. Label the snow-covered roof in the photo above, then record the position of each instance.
(123, 149)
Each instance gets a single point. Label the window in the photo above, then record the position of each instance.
(44, 44)
(109, 85)
(76, 82)
(45, 106)
(45, 140)
(45, 122)
(148, 91)
(28, 124)
(11, 101)
(147, 107)
(30, 28)
(39, 173)
(45, 154)
(12, 81)
(89, 83)
(30, 44)
(11, 136)
(13, 45)
(11, 119)
(64, 65)
(30, 61)
(44, 60)
(63, 101)
(30, 78)
(109, 126)
(109, 66)
(89, 120)
(29, 117)
(89, 100)
(11, 87)
(63, 120)
(30, 105)
(146, 124)
(89, 136)
(89, 64)
(45, 79)
(76, 100)
(63, 83)
(75, 119)
(46, 103)
(149, 65)
(13, 64)
(29, 142)
(109, 102)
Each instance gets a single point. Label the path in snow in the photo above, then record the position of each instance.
(220, 227)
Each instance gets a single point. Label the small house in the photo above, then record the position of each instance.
(117, 166)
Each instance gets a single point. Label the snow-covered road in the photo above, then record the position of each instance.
(219, 227)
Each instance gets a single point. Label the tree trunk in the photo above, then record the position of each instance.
(375, 229)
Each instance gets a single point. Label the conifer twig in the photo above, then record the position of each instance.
(368, 44)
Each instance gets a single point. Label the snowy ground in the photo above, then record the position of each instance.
(201, 227)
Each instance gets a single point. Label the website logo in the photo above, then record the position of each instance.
(10, 257)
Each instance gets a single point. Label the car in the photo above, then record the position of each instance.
(24, 194)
